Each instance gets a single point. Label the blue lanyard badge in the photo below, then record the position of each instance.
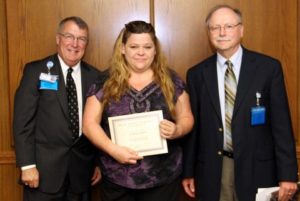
(48, 81)
(258, 113)
(45, 85)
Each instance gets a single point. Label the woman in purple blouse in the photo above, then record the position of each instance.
(139, 81)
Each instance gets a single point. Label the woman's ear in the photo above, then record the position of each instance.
(123, 49)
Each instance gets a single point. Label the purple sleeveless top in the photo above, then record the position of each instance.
(151, 171)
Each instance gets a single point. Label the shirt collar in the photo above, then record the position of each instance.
(65, 67)
(235, 59)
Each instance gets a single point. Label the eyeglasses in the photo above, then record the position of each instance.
(71, 38)
(226, 27)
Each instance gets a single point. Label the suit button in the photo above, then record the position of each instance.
(220, 129)
(220, 153)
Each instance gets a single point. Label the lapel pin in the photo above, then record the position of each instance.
(258, 96)
(49, 64)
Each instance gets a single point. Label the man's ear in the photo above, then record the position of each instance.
(57, 39)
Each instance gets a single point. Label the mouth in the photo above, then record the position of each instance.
(73, 51)
(223, 40)
(140, 60)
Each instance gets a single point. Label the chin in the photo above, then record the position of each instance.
(223, 47)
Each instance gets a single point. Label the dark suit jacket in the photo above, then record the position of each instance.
(263, 154)
(41, 129)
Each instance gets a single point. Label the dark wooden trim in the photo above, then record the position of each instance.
(152, 12)
(7, 158)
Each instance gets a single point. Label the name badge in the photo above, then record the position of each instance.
(46, 85)
(48, 77)
(258, 115)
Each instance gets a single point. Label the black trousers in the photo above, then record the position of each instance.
(112, 192)
(64, 194)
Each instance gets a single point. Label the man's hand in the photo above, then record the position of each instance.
(30, 177)
(286, 190)
(189, 186)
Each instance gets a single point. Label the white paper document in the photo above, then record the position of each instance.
(139, 131)
(265, 194)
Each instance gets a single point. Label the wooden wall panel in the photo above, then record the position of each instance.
(298, 81)
(9, 189)
(4, 93)
(28, 32)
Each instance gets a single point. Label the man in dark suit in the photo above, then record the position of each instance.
(242, 137)
(56, 160)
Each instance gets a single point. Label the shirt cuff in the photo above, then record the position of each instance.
(28, 167)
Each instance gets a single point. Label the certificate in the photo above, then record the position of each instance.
(139, 131)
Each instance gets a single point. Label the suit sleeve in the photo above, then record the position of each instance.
(25, 108)
(282, 129)
(189, 148)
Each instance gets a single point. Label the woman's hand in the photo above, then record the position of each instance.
(169, 130)
(94, 132)
(184, 120)
(124, 155)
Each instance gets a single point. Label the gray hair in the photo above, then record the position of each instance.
(77, 20)
(235, 10)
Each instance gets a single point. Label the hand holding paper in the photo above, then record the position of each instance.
(272, 194)
(125, 155)
(168, 129)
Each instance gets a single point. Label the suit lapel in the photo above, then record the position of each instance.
(211, 80)
(247, 73)
(61, 92)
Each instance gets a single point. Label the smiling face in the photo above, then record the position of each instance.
(225, 40)
(71, 43)
(139, 51)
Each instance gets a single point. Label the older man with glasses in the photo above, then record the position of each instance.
(242, 138)
(56, 160)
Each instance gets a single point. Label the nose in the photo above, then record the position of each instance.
(141, 51)
(75, 42)
(222, 31)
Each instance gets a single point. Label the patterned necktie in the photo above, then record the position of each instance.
(72, 104)
(230, 91)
